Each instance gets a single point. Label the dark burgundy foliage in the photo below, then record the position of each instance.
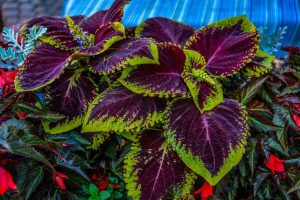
(116, 57)
(70, 95)
(122, 103)
(42, 66)
(113, 14)
(209, 135)
(166, 30)
(158, 166)
(164, 78)
(229, 47)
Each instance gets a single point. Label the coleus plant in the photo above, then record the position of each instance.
(163, 91)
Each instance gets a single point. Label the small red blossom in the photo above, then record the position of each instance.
(297, 106)
(102, 185)
(59, 179)
(296, 119)
(274, 164)
(7, 77)
(21, 115)
(6, 181)
(20, 39)
(205, 191)
(116, 186)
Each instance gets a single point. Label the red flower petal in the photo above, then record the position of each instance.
(58, 178)
(275, 164)
(296, 119)
(6, 181)
(102, 185)
(205, 191)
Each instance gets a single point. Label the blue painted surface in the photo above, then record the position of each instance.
(197, 13)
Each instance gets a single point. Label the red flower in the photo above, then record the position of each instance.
(205, 191)
(274, 164)
(297, 106)
(21, 115)
(6, 181)
(102, 185)
(7, 77)
(59, 179)
(296, 119)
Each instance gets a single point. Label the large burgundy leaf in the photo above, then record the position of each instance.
(165, 30)
(113, 14)
(260, 65)
(58, 33)
(121, 110)
(163, 79)
(41, 67)
(125, 53)
(152, 168)
(69, 96)
(210, 143)
(105, 36)
(227, 45)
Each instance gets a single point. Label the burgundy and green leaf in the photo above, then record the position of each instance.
(210, 143)
(165, 30)
(260, 65)
(69, 96)
(105, 36)
(227, 45)
(163, 79)
(58, 33)
(152, 168)
(206, 91)
(41, 67)
(128, 52)
(113, 14)
(121, 110)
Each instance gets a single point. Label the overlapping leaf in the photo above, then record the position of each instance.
(41, 67)
(105, 36)
(152, 168)
(205, 90)
(69, 96)
(165, 30)
(227, 45)
(125, 53)
(260, 65)
(210, 143)
(58, 33)
(113, 14)
(163, 79)
(121, 110)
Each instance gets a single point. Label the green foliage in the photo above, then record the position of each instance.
(19, 48)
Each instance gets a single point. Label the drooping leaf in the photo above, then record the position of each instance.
(113, 14)
(260, 65)
(165, 30)
(105, 36)
(41, 67)
(210, 143)
(163, 79)
(29, 152)
(69, 96)
(121, 110)
(38, 176)
(58, 33)
(227, 45)
(248, 92)
(152, 168)
(125, 53)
